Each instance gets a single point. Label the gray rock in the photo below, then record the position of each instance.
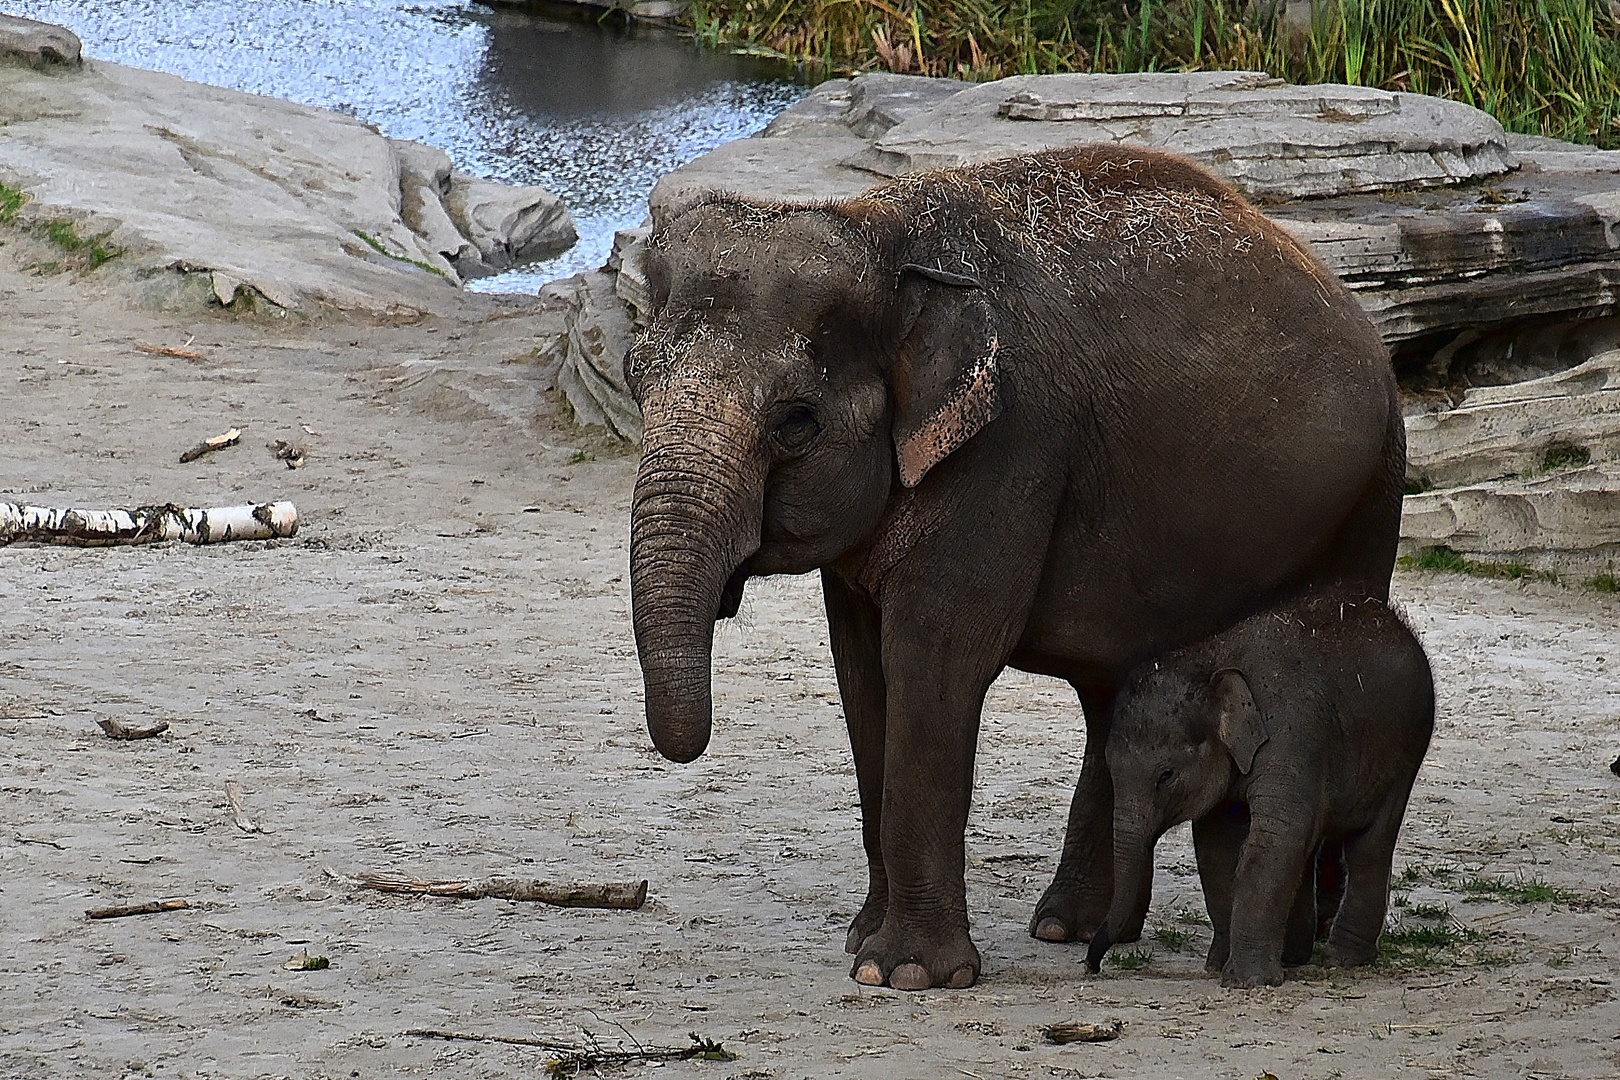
(777, 169)
(508, 225)
(424, 181)
(590, 347)
(1569, 522)
(1513, 431)
(820, 114)
(1268, 139)
(881, 101)
(40, 45)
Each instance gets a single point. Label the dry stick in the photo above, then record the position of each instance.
(618, 895)
(576, 1059)
(117, 729)
(233, 795)
(168, 350)
(1072, 1032)
(146, 524)
(208, 446)
(151, 907)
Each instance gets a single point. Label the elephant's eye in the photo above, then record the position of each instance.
(1166, 776)
(797, 428)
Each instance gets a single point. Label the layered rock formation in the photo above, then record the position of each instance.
(1481, 256)
(211, 192)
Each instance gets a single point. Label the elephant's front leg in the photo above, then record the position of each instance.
(854, 630)
(1077, 901)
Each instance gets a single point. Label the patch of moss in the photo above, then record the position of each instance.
(11, 200)
(1605, 582)
(1565, 455)
(376, 246)
(1416, 485)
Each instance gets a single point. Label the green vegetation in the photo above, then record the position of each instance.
(1416, 485)
(94, 250)
(1172, 937)
(1444, 558)
(1605, 582)
(1565, 455)
(1130, 960)
(1430, 911)
(11, 200)
(1548, 67)
(376, 245)
(1518, 890)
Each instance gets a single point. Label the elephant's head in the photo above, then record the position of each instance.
(803, 364)
(1175, 740)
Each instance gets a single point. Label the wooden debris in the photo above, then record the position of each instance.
(151, 907)
(233, 795)
(117, 729)
(208, 446)
(282, 450)
(617, 895)
(146, 524)
(168, 350)
(1615, 768)
(1069, 1033)
(574, 1060)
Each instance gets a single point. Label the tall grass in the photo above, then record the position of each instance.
(1549, 67)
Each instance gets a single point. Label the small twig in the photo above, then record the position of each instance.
(512, 1040)
(40, 841)
(117, 729)
(573, 1060)
(208, 446)
(617, 895)
(233, 795)
(169, 350)
(1070, 1033)
(151, 907)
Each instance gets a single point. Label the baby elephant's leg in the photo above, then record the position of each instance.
(1269, 875)
(1353, 941)
(1300, 937)
(1217, 840)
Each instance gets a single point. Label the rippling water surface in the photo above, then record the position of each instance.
(594, 113)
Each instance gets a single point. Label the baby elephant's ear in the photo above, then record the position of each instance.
(945, 381)
(1242, 725)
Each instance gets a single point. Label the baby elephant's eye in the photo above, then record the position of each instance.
(1166, 776)
(797, 429)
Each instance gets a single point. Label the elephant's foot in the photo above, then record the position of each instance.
(1219, 949)
(1346, 954)
(866, 923)
(1072, 911)
(1248, 974)
(915, 960)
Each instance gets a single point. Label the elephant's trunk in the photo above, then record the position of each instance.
(1133, 891)
(694, 519)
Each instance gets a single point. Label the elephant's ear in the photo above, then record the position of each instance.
(945, 379)
(1240, 723)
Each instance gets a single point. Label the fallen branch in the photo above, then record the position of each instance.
(233, 795)
(618, 895)
(168, 350)
(208, 446)
(151, 907)
(574, 1060)
(1071, 1033)
(117, 729)
(146, 524)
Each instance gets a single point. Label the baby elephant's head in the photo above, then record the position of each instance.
(1176, 736)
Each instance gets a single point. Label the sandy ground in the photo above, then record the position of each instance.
(437, 677)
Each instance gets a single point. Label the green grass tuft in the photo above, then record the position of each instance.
(1444, 558)
(1518, 890)
(1605, 582)
(1429, 911)
(1172, 937)
(11, 200)
(1543, 67)
(1131, 960)
(64, 234)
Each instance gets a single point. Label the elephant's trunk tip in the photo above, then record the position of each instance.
(680, 745)
(1100, 941)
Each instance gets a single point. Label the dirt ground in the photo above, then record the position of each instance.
(437, 677)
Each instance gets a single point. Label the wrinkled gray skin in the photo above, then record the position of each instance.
(1302, 724)
(1060, 412)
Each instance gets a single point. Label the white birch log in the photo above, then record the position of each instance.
(146, 524)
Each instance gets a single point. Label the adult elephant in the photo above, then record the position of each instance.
(1058, 412)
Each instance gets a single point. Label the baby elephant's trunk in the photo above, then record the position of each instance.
(1100, 941)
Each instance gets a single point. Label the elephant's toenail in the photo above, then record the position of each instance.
(869, 974)
(1051, 929)
(961, 979)
(910, 977)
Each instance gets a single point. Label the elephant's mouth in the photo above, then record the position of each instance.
(731, 596)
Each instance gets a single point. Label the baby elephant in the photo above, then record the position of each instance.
(1303, 724)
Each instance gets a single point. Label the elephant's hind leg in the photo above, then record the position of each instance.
(1076, 902)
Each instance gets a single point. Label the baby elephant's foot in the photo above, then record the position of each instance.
(1215, 962)
(1071, 912)
(909, 960)
(866, 923)
(1247, 975)
(1348, 954)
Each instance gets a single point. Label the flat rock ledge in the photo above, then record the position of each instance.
(1481, 257)
(212, 196)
